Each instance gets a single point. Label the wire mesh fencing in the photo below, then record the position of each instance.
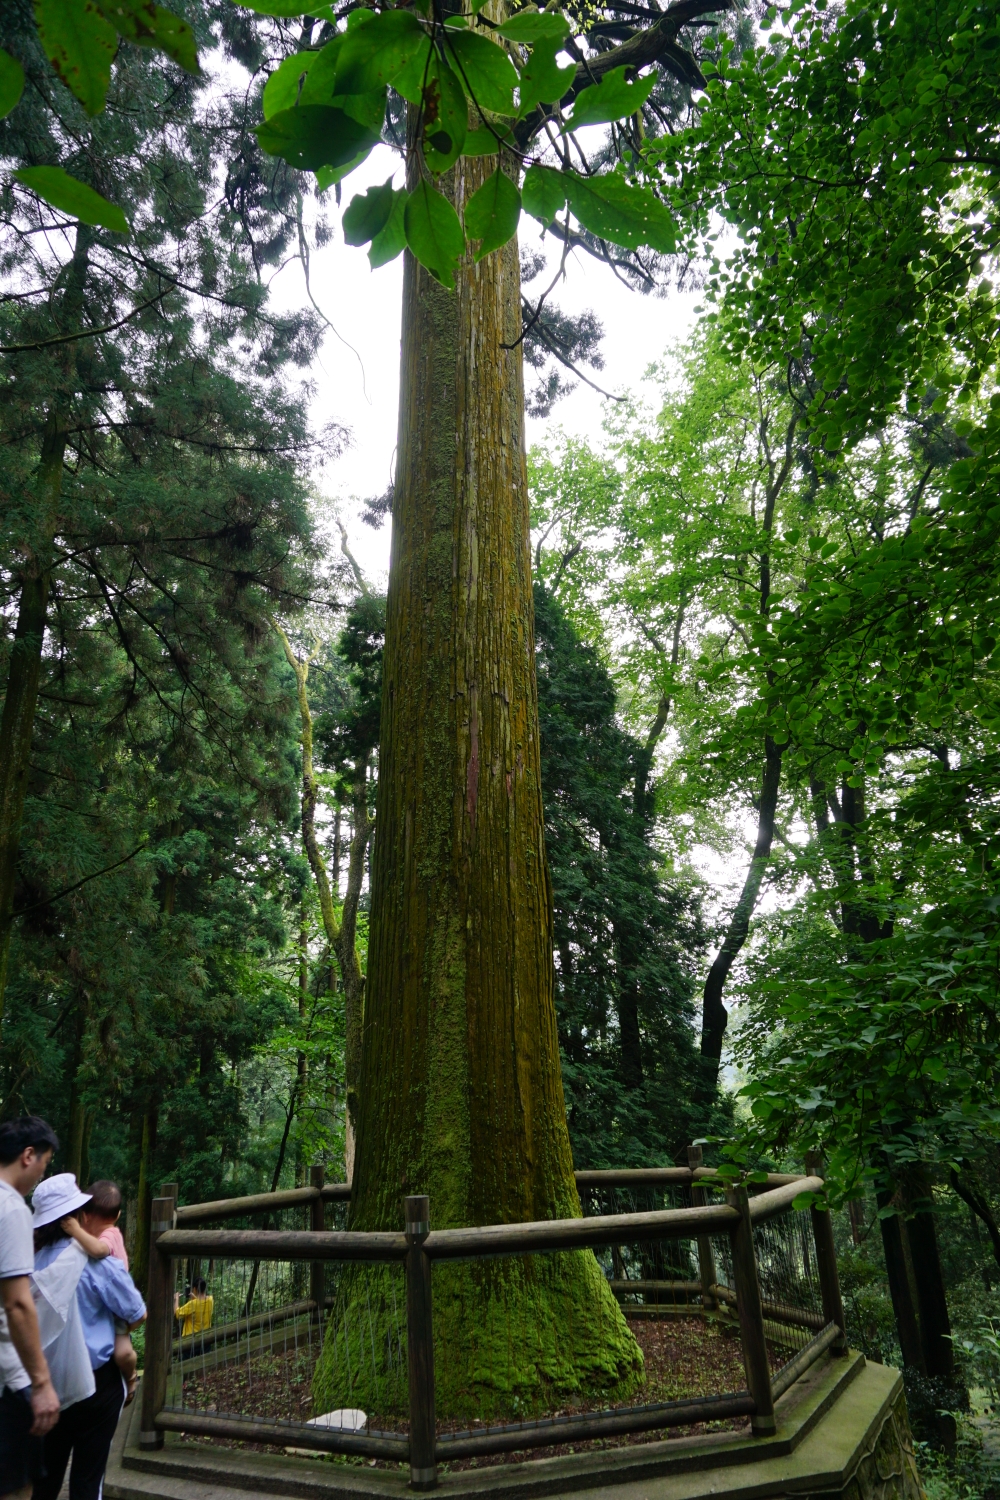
(250, 1347)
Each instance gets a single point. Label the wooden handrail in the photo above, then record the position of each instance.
(655, 1176)
(577, 1234)
(340, 1192)
(768, 1205)
(256, 1203)
(479, 1240)
(284, 1244)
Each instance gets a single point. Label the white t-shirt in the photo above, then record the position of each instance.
(17, 1258)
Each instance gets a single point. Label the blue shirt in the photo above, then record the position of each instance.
(106, 1291)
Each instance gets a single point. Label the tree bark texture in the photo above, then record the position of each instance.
(461, 1090)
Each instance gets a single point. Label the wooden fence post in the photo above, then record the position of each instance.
(420, 1346)
(159, 1325)
(706, 1255)
(751, 1315)
(826, 1261)
(317, 1273)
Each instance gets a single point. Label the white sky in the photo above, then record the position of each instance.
(364, 307)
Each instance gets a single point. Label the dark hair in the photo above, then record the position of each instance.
(105, 1200)
(17, 1135)
(50, 1233)
(200, 1285)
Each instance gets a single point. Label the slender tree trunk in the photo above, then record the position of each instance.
(301, 1061)
(893, 1228)
(979, 1207)
(628, 940)
(461, 1091)
(85, 1176)
(21, 695)
(144, 1205)
(341, 945)
(77, 1110)
(714, 1017)
(347, 956)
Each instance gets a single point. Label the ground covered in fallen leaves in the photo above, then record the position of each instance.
(684, 1358)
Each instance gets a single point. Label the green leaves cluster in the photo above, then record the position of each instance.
(80, 39)
(324, 109)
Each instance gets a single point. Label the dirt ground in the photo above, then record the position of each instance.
(685, 1357)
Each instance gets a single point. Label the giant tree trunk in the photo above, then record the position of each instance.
(461, 1092)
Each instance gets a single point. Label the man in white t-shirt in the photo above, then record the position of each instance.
(29, 1406)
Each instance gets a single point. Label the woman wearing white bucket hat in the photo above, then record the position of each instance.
(105, 1291)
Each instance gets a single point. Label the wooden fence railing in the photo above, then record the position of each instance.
(419, 1246)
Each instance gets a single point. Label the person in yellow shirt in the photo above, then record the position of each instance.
(196, 1314)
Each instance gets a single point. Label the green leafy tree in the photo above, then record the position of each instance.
(619, 1014)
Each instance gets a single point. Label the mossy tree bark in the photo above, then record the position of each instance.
(461, 1092)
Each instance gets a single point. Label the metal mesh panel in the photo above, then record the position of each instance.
(259, 1353)
(789, 1285)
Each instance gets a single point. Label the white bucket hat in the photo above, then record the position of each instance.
(55, 1198)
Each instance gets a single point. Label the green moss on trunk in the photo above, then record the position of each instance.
(512, 1338)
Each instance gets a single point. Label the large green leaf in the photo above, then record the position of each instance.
(532, 26)
(543, 81)
(327, 177)
(445, 116)
(611, 99)
(80, 45)
(150, 25)
(64, 192)
(314, 135)
(491, 214)
(615, 210)
(485, 69)
(385, 50)
(434, 233)
(544, 192)
(320, 87)
(281, 91)
(367, 214)
(11, 82)
(390, 240)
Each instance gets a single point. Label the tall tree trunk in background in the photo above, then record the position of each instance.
(894, 1229)
(301, 1061)
(714, 1016)
(144, 1205)
(347, 954)
(73, 1160)
(21, 695)
(461, 1090)
(24, 672)
(948, 1391)
(628, 937)
(342, 944)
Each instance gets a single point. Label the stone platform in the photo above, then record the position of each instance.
(842, 1434)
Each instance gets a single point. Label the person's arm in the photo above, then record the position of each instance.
(22, 1320)
(95, 1248)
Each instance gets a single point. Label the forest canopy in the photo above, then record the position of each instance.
(742, 645)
